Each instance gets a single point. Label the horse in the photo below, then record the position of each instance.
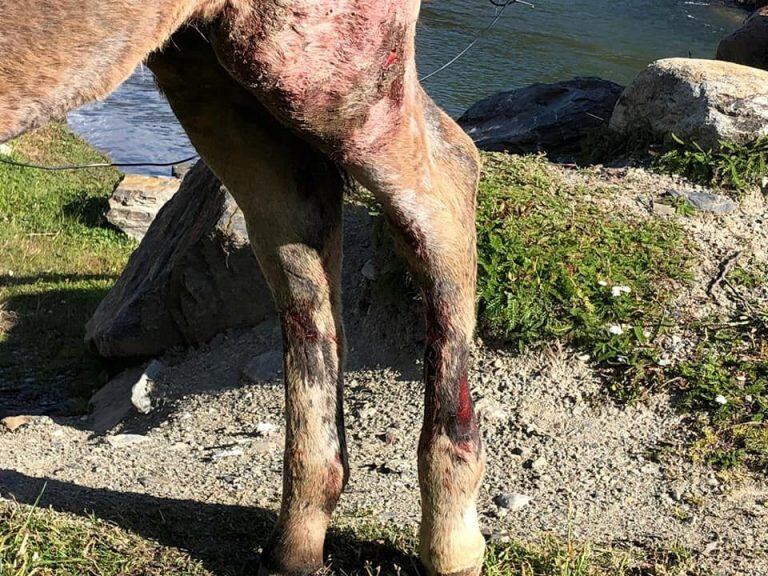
(283, 99)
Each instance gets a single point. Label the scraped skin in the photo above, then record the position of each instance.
(341, 75)
(291, 196)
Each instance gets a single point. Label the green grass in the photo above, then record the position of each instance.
(727, 379)
(735, 167)
(42, 542)
(56, 262)
(551, 261)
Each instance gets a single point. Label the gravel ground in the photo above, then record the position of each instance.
(562, 458)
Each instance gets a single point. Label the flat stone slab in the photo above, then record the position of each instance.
(137, 200)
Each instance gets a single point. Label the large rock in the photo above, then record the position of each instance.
(194, 275)
(749, 44)
(703, 101)
(191, 277)
(137, 200)
(751, 4)
(553, 118)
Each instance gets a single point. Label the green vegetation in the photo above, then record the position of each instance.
(553, 264)
(727, 380)
(35, 542)
(44, 543)
(735, 167)
(56, 262)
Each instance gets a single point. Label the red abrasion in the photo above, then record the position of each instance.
(299, 325)
(334, 484)
(464, 409)
(391, 58)
(464, 449)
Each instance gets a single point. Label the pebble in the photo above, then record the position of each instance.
(490, 410)
(512, 501)
(141, 391)
(663, 209)
(227, 453)
(539, 463)
(265, 428)
(13, 423)
(126, 440)
(369, 270)
(218, 340)
(706, 201)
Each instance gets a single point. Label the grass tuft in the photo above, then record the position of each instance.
(42, 542)
(36, 542)
(736, 167)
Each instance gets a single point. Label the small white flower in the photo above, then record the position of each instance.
(603, 283)
(10, 273)
(722, 400)
(664, 362)
(616, 330)
(617, 291)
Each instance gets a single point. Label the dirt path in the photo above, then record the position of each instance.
(610, 475)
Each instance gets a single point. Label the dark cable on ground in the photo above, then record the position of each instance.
(501, 4)
(96, 165)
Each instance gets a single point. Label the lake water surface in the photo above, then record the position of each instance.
(555, 40)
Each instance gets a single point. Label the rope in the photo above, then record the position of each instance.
(95, 165)
(500, 4)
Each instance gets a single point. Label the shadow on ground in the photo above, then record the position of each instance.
(225, 538)
(45, 366)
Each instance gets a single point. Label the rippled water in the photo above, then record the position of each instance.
(556, 40)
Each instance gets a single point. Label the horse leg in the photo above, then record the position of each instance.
(291, 196)
(364, 107)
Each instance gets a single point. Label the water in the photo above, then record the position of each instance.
(556, 40)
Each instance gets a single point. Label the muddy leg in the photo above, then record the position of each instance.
(431, 206)
(291, 196)
(343, 74)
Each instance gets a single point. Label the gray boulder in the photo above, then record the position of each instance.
(553, 118)
(749, 44)
(192, 276)
(702, 101)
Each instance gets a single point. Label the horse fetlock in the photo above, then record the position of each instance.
(296, 545)
(450, 537)
(454, 545)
